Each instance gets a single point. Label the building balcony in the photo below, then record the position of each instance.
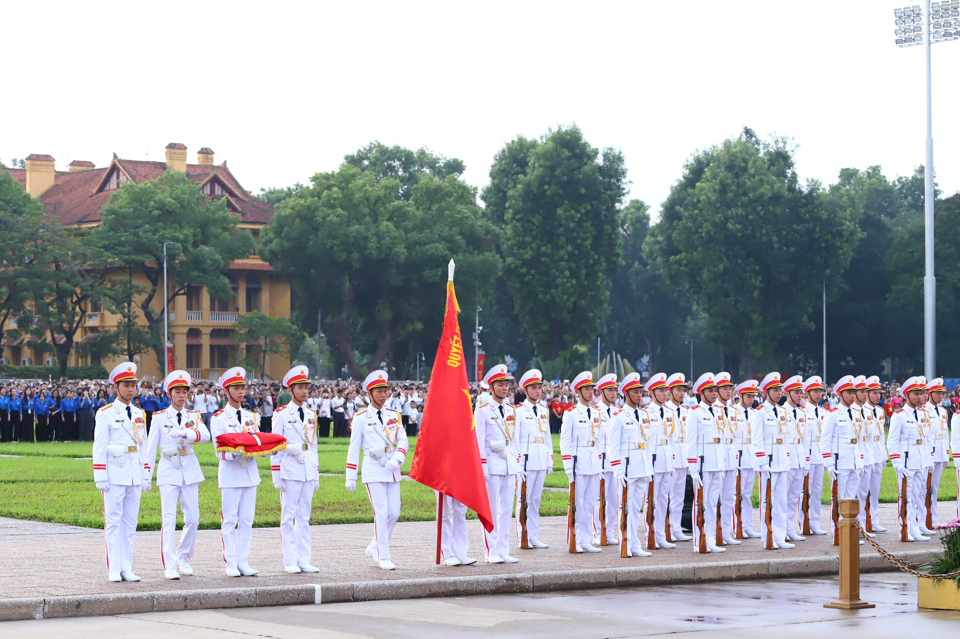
(91, 319)
(194, 316)
(223, 317)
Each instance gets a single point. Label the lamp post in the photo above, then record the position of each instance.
(942, 23)
(690, 342)
(419, 355)
(476, 347)
(166, 314)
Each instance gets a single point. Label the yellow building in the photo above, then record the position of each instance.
(200, 327)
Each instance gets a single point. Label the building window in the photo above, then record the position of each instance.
(219, 356)
(213, 188)
(193, 298)
(116, 179)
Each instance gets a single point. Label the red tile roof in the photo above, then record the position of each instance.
(82, 163)
(38, 156)
(206, 150)
(176, 145)
(73, 198)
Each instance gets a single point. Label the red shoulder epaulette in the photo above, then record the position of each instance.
(156, 412)
(219, 412)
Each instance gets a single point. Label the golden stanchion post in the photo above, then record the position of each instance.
(849, 559)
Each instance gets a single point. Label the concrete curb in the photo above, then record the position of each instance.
(121, 604)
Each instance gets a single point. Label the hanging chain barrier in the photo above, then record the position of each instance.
(905, 566)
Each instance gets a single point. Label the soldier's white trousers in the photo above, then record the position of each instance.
(500, 490)
(794, 497)
(188, 497)
(869, 489)
(636, 498)
(712, 485)
(935, 489)
(848, 485)
(747, 477)
(728, 500)
(453, 528)
(121, 507)
(613, 507)
(588, 491)
(816, 491)
(385, 499)
(779, 481)
(678, 489)
(662, 491)
(535, 479)
(296, 502)
(916, 491)
(238, 506)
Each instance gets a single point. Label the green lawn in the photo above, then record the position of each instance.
(53, 482)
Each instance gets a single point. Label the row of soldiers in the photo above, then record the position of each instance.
(623, 459)
(125, 457)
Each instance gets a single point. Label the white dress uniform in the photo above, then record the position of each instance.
(612, 496)
(798, 454)
(497, 439)
(909, 453)
(678, 481)
(296, 474)
(773, 421)
(665, 446)
(706, 455)
(536, 457)
(842, 444)
(874, 457)
(937, 440)
(579, 445)
(749, 458)
(174, 433)
(816, 417)
(629, 453)
(955, 450)
(238, 477)
(383, 440)
(121, 473)
(728, 484)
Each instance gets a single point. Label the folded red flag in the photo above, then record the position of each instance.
(251, 444)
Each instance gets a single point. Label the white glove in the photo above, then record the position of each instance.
(177, 433)
(622, 481)
(147, 485)
(498, 446)
(316, 485)
(697, 482)
(392, 465)
(382, 460)
(486, 471)
(103, 486)
(765, 468)
(279, 485)
(521, 474)
(570, 476)
(832, 472)
(351, 485)
(242, 459)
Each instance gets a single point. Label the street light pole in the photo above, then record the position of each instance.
(690, 342)
(476, 347)
(420, 354)
(319, 343)
(166, 314)
(824, 331)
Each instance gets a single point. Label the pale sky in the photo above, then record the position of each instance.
(283, 90)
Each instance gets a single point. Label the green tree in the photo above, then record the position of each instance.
(206, 238)
(645, 313)
(403, 165)
(905, 270)
(269, 336)
(377, 267)
(557, 200)
(23, 235)
(752, 245)
(275, 196)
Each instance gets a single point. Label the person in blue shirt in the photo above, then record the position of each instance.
(13, 401)
(86, 415)
(5, 435)
(28, 413)
(55, 417)
(148, 402)
(38, 403)
(68, 416)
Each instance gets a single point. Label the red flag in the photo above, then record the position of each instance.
(447, 457)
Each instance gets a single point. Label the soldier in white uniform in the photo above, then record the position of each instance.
(874, 451)
(728, 483)
(120, 470)
(607, 385)
(628, 452)
(748, 439)
(238, 476)
(579, 441)
(663, 424)
(816, 417)
(497, 439)
(295, 471)
(937, 440)
(175, 431)
(706, 455)
(955, 450)
(773, 421)
(379, 432)
(536, 453)
(841, 444)
(909, 452)
(677, 490)
(798, 453)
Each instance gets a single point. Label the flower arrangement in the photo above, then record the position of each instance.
(949, 560)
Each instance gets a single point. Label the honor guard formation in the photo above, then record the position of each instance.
(627, 449)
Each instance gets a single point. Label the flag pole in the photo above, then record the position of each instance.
(450, 268)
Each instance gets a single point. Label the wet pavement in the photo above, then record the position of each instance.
(52, 560)
(783, 608)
